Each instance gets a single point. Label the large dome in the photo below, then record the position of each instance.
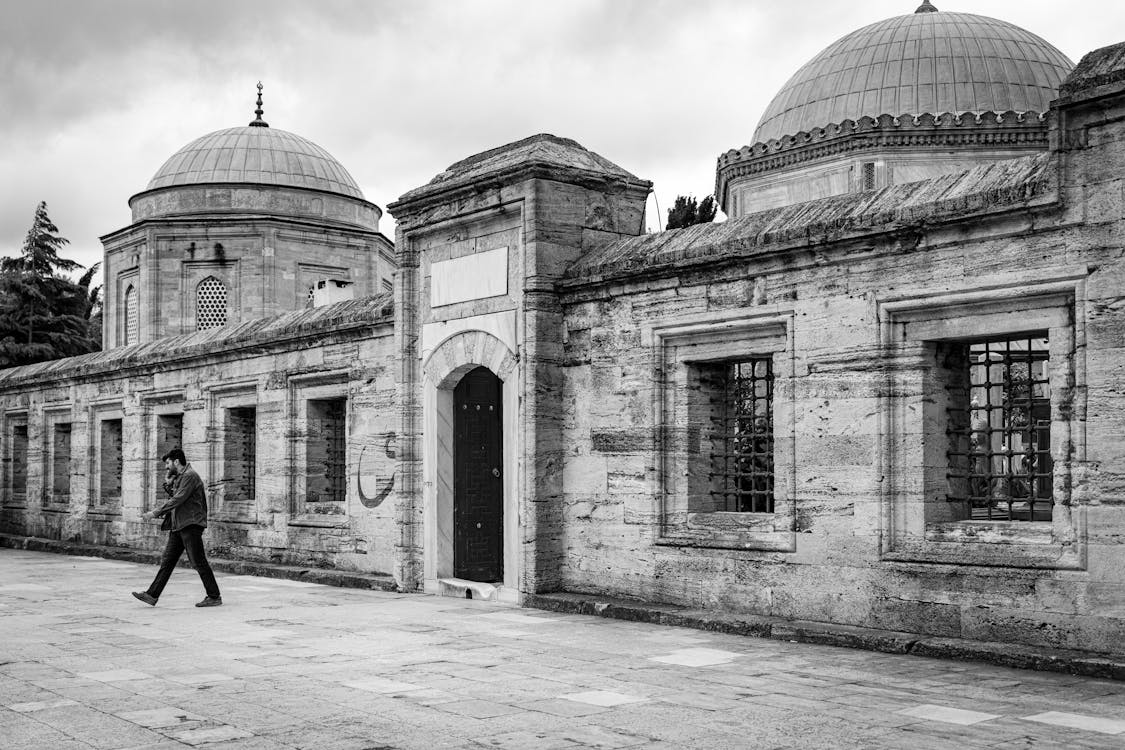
(256, 155)
(932, 62)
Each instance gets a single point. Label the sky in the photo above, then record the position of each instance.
(95, 96)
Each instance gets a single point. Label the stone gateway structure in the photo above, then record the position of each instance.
(896, 406)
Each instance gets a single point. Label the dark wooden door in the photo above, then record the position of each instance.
(478, 478)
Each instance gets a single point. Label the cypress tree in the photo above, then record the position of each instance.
(43, 315)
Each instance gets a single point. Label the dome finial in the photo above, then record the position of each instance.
(258, 121)
(925, 7)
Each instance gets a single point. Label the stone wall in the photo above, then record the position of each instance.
(245, 406)
(268, 266)
(476, 288)
(855, 303)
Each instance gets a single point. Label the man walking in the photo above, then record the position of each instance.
(185, 517)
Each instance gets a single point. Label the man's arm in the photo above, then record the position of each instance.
(187, 485)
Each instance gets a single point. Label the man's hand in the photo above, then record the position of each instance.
(148, 515)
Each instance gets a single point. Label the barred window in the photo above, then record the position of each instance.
(168, 431)
(18, 494)
(240, 458)
(60, 463)
(131, 317)
(210, 304)
(110, 462)
(326, 455)
(742, 476)
(1000, 430)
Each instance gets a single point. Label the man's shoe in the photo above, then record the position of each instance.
(209, 601)
(145, 597)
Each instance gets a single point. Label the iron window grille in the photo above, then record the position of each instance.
(326, 452)
(19, 464)
(742, 477)
(60, 464)
(336, 463)
(240, 454)
(111, 463)
(210, 304)
(1000, 431)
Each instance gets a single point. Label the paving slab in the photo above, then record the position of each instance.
(295, 664)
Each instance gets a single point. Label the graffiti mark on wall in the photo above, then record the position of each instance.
(383, 488)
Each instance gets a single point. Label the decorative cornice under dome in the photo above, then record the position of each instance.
(983, 129)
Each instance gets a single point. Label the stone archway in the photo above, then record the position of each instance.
(445, 367)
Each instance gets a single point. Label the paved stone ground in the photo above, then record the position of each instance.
(286, 664)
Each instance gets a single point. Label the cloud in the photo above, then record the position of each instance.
(97, 95)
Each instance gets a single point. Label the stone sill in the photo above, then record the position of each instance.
(232, 521)
(765, 542)
(991, 532)
(1087, 664)
(1043, 556)
(321, 521)
(103, 515)
(727, 530)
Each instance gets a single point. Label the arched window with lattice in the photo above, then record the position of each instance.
(210, 304)
(131, 317)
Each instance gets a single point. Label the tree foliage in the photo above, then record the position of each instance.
(687, 211)
(93, 310)
(43, 314)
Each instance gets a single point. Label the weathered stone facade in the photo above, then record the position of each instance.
(854, 298)
(897, 409)
(184, 391)
(523, 213)
(240, 224)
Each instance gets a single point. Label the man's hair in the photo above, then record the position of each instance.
(176, 455)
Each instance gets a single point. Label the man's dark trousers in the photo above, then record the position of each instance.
(189, 538)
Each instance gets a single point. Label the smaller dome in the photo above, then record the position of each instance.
(259, 156)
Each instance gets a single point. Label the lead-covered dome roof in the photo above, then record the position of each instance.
(256, 155)
(928, 61)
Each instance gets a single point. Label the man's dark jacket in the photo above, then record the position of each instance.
(187, 505)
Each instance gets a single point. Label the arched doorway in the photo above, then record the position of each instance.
(478, 484)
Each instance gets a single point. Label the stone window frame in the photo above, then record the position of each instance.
(302, 389)
(236, 395)
(97, 413)
(914, 441)
(193, 273)
(708, 338)
(12, 420)
(53, 416)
